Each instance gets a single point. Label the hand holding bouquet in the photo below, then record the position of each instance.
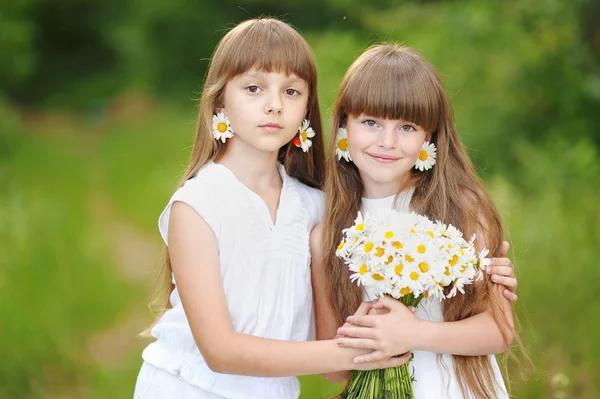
(408, 257)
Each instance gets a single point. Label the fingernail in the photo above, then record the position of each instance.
(340, 331)
(355, 361)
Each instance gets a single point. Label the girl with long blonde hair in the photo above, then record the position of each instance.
(394, 144)
(237, 281)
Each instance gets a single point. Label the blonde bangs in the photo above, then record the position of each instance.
(267, 45)
(385, 82)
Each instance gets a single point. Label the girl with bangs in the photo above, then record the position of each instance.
(395, 145)
(237, 278)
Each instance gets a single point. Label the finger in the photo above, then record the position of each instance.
(364, 321)
(375, 356)
(388, 303)
(378, 311)
(412, 309)
(501, 262)
(357, 332)
(357, 343)
(363, 309)
(511, 296)
(508, 282)
(506, 271)
(378, 360)
(396, 361)
(505, 248)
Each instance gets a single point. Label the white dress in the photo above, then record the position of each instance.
(434, 373)
(265, 269)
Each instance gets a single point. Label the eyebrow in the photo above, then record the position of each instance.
(262, 75)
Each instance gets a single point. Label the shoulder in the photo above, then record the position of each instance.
(199, 193)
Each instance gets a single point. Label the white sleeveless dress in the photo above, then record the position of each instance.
(434, 373)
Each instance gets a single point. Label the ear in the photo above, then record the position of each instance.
(428, 136)
(218, 110)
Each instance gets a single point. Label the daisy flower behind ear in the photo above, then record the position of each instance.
(427, 156)
(341, 147)
(305, 133)
(221, 127)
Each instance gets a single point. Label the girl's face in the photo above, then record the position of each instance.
(265, 109)
(384, 151)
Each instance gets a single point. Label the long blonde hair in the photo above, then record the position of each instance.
(395, 82)
(264, 44)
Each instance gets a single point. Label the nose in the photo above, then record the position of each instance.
(273, 105)
(388, 138)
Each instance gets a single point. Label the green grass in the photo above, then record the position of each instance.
(57, 282)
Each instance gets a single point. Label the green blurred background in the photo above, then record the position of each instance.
(96, 122)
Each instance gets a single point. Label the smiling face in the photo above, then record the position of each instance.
(265, 109)
(384, 151)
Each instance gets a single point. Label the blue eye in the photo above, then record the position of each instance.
(370, 123)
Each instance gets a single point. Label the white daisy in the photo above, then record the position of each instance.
(221, 127)
(304, 135)
(341, 147)
(427, 156)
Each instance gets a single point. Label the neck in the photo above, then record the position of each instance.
(376, 190)
(256, 169)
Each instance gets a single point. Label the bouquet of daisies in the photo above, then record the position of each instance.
(409, 257)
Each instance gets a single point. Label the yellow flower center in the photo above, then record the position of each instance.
(368, 246)
(389, 260)
(397, 245)
(405, 291)
(304, 135)
(343, 144)
(379, 252)
(426, 294)
(409, 258)
(399, 269)
(377, 277)
(412, 230)
(389, 234)
(341, 245)
(414, 276)
(430, 233)
(363, 269)
(463, 268)
(424, 267)
(454, 260)
(423, 155)
(421, 249)
(360, 227)
(447, 272)
(222, 127)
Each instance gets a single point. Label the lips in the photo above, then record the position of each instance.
(381, 158)
(272, 126)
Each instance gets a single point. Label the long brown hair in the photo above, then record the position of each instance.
(395, 82)
(264, 44)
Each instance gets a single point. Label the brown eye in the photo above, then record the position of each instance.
(408, 128)
(252, 88)
(292, 92)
